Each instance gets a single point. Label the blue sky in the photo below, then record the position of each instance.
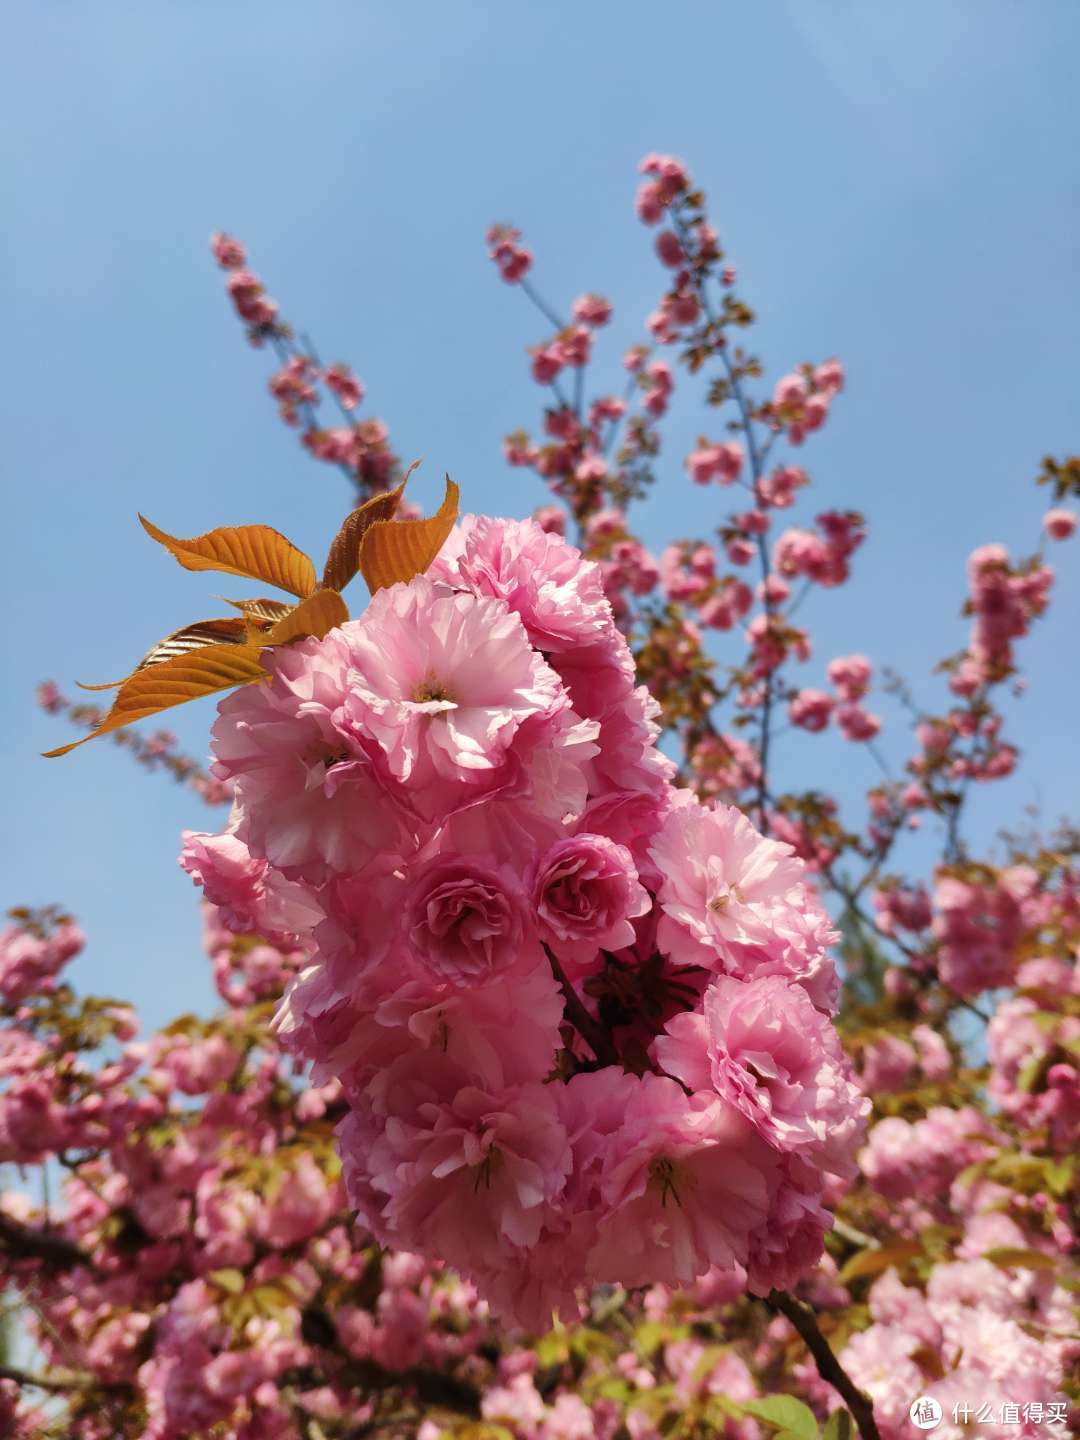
(897, 184)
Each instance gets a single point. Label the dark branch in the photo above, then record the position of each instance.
(58, 1382)
(590, 1030)
(828, 1367)
(23, 1242)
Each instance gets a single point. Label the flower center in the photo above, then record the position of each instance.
(321, 753)
(489, 1167)
(723, 897)
(667, 1176)
(431, 689)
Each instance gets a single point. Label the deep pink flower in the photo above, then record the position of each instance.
(467, 922)
(1059, 524)
(229, 253)
(585, 893)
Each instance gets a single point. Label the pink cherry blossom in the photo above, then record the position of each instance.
(1059, 524)
(585, 893)
(764, 1048)
(467, 922)
(445, 692)
(308, 795)
(724, 884)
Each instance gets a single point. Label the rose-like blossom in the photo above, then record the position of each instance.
(763, 1047)
(250, 896)
(467, 923)
(557, 593)
(586, 893)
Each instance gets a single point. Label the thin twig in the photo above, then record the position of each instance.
(58, 1381)
(854, 1237)
(542, 305)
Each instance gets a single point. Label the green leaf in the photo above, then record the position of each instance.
(1029, 1073)
(787, 1414)
(552, 1349)
(230, 1280)
(1059, 1176)
(651, 1334)
(838, 1426)
(873, 1262)
(1010, 1256)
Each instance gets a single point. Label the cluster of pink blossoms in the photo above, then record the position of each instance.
(360, 447)
(580, 1019)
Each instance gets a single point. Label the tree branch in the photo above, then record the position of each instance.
(58, 1382)
(23, 1242)
(829, 1368)
(590, 1030)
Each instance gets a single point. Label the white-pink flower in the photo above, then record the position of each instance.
(445, 691)
(724, 883)
(308, 797)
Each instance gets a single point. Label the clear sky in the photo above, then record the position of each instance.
(897, 183)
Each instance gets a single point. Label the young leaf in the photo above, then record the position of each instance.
(230, 1280)
(254, 551)
(873, 1262)
(343, 561)
(394, 550)
(188, 637)
(261, 609)
(1009, 1256)
(184, 677)
(317, 615)
(785, 1413)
